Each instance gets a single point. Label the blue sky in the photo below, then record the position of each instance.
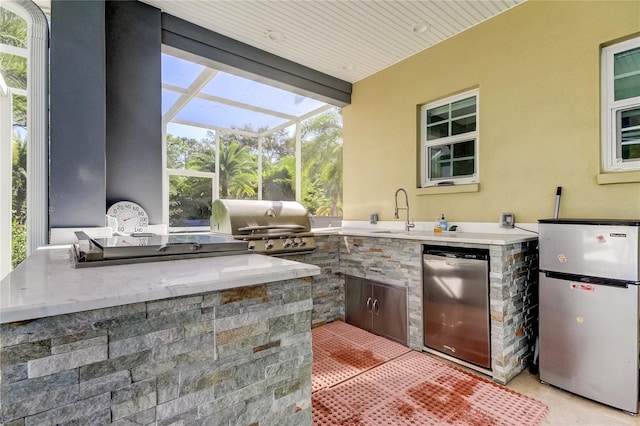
(181, 73)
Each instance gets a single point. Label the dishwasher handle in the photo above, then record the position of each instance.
(456, 252)
(454, 262)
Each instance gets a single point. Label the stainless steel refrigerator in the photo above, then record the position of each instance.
(589, 278)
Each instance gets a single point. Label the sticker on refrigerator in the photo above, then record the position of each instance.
(584, 287)
(601, 239)
(562, 258)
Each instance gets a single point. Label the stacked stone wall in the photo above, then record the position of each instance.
(235, 357)
(328, 287)
(390, 261)
(514, 307)
(513, 284)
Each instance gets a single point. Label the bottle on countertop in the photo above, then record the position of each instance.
(443, 223)
(436, 225)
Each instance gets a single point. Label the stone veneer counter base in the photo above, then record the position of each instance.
(213, 341)
(513, 279)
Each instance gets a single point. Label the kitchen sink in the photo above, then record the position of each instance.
(388, 231)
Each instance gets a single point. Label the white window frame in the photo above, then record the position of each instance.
(37, 129)
(168, 172)
(611, 157)
(6, 108)
(425, 162)
(191, 173)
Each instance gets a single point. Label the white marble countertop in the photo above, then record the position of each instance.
(430, 236)
(46, 283)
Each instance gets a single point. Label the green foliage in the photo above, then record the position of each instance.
(321, 168)
(190, 199)
(19, 179)
(278, 181)
(238, 166)
(18, 243)
(322, 161)
(13, 32)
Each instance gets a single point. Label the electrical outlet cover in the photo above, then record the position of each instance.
(507, 220)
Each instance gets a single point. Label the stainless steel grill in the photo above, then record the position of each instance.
(270, 227)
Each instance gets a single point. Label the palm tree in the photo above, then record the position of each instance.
(238, 167)
(13, 32)
(331, 177)
(322, 160)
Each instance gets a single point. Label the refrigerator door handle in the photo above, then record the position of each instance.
(588, 280)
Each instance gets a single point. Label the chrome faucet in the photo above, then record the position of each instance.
(408, 225)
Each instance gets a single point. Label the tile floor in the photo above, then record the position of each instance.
(564, 407)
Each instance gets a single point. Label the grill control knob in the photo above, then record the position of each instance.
(268, 244)
(252, 245)
(288, 243)
(299, 242)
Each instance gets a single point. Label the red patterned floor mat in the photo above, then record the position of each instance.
(363, 379)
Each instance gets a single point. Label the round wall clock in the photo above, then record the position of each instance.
(131, 217)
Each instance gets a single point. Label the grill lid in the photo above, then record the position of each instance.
(259, 217)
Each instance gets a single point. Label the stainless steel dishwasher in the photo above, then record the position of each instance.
(456, 303)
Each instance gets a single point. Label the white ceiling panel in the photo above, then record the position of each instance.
(347, 39)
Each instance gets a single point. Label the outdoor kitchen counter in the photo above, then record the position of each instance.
(427, 237)
(46, 284)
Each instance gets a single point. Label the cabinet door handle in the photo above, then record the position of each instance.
(369, 308)
(376, 308)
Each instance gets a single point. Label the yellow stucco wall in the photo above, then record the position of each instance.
(538, 70)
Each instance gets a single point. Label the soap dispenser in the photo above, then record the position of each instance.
(443, 223)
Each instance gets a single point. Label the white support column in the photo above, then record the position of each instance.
(165, 177)
(298, 161)
(216, 186)
(5, 177)
(260, 168)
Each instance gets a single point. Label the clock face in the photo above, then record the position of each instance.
(130, 216)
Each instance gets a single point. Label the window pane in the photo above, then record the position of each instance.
(179, 72)
(279, 165)
(190, 148)
(240, 89)
(630, 118)
(189, 201)
(438, 114)
(438, 131)
(463, 125)
(630, 134)
(464, 149)
(463, 107)
(440, 161)
(626, 72)
(631, 152)
(238, 167)
(463, 167)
